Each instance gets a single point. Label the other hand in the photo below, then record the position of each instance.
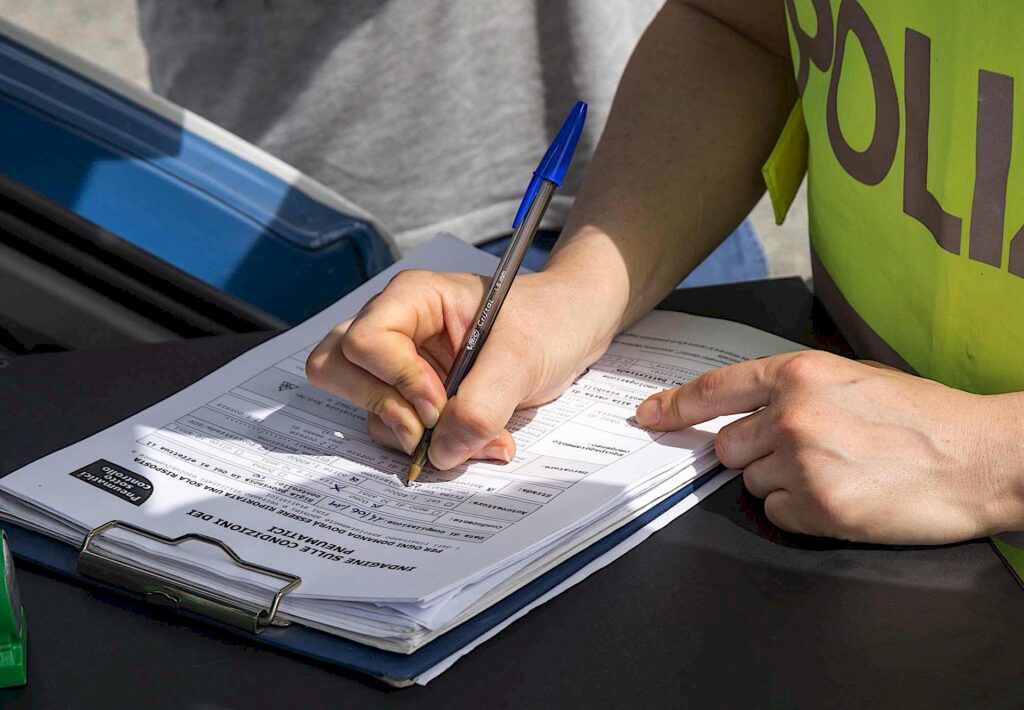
(845, 449)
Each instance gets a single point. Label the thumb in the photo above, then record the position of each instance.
(470, 430)
(476, 416)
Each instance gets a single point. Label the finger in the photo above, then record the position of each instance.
(733, 389)
(496, 450)
(382, 433)
(502, 448)
(383, 340)
(466, 427)
(328, 369)
(744, 440)
(765, 476)
(439, 359)
(782, 509)
(393, 359)
(478, 413)
(496, 384)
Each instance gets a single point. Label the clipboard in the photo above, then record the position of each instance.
(177, 593)
(260, 624)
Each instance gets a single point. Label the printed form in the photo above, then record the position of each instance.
(287, 475)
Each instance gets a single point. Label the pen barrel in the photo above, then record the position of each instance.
(499, 286)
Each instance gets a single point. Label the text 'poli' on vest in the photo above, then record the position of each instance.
(827, 49)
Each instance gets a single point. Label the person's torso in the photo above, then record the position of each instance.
(431, 115)
(916, 179)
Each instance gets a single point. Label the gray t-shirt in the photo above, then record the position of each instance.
(430, 114)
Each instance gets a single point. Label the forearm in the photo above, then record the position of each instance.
(698, 109)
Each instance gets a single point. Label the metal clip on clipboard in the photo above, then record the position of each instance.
(164, 590)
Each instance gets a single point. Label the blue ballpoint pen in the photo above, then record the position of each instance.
(546, 179)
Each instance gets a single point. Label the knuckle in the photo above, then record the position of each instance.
(773, 510)
(707, 387)
(750, 480)
(375, 401)
(316, 367)
(409, 380)
(725, 447)
(358, 344)
(408, 277)
(389, 410)
(802, 368)
(830, 505)
(792, 424)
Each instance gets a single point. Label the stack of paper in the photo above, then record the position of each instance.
(287, 476)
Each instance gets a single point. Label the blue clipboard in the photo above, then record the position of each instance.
(395, 669)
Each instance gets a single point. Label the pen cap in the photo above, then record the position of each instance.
(556, 160)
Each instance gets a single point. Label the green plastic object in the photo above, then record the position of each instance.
(12, 625)
(1011, 547)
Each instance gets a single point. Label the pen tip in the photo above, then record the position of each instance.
(414, 473)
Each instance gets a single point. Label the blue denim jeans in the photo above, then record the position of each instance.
(739, 258)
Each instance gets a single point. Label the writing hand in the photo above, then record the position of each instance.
(392, 359)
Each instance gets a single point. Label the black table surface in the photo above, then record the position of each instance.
(719, 609)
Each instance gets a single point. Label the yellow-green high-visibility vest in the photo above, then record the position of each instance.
(911, 123)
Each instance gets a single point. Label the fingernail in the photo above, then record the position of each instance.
(497, 453)
(429, 414)
(406, 439)
(446, 451)
(648, 414)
